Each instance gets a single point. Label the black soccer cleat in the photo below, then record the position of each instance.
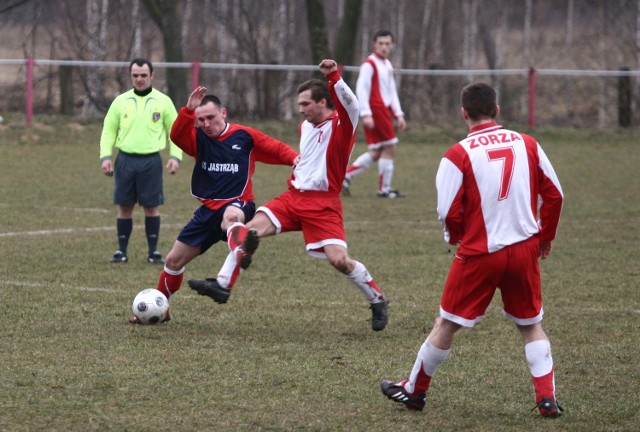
(249, 246)
(155, 258)
(397, 393)
(119, 257)
(210, 288)
(390, 194)
(379, 315)
(549, 407)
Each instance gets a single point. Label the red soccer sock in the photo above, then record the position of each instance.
(374, 286)
(236, 235)
(544, 386)
(169, 283)
(423, 381)
(236, 270)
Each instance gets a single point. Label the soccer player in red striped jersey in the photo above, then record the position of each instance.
(379, 108)
(312, 203)
(499, 200)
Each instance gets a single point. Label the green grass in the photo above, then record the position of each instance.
(293, 349)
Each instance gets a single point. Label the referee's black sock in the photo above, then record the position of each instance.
(152, 229)
(124, 227)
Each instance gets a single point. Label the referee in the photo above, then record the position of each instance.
(138, 124)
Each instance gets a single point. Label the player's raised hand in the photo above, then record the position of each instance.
(195, 98)
(327, 66)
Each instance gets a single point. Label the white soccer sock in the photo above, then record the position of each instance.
(226, 272)
(385, 171)
(363, 162)
(428, 359)
(361, 278)
(538, 355)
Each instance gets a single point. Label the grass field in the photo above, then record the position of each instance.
(293, 349)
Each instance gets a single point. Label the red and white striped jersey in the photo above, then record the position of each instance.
(325, 148)
(376, 86)
(496, 188)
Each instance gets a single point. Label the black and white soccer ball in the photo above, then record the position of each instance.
(150, 306)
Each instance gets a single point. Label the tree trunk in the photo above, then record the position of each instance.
(399, 36)
(421, 55)
(528, 12)
(602, 46)
(136, 50)
(317, 31)
(348, 31)
(568, 41)
(493, 41)
(286, 28)
(470, 13)
(97, 25)
(166, 16)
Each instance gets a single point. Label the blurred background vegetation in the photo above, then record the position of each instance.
(431, 35)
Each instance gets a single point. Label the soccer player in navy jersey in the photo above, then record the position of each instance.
(225, 157)
(312, 203)
(499, 201)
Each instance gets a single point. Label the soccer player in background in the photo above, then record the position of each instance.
(312, 203)
(225, 157)
(499, 200)
(138, 123)
(379, 106)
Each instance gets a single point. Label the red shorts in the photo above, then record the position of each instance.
(383, 133)
(473, 280)
(317, 214)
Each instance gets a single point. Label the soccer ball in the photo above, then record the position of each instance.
(150, 306)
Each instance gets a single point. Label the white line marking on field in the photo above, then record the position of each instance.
(42, 285)
(56, 231)
(69, 231)
(71, 287)
(79, 209)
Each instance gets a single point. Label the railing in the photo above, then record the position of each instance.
(625, 101)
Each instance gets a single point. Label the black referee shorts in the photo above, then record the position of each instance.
(138, 179)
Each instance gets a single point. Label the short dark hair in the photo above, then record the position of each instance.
(319, 91)
(141, 62)
(211, 99)
(479, 99)
(382, 33)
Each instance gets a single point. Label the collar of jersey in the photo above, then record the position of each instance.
(484, 127)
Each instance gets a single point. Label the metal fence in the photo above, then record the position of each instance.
(536, 97)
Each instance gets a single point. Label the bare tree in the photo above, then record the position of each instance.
(166, 15)
(186, 23)
(421, 54)
(136, 49)
(470, 33)
(97, 25)
(348, 31)
(492, 31)
(286, 30)
(318, 40)
(528, 12)
(601, 57)
(568, 41)
(438, 34)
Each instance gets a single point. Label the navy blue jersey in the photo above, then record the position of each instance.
(225, 164)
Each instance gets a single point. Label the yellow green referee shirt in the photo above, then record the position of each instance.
(139, 125)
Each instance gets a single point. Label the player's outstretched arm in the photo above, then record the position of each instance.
(327, 66)
(195, 98)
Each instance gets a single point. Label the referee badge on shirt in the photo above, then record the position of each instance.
(156, 116)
